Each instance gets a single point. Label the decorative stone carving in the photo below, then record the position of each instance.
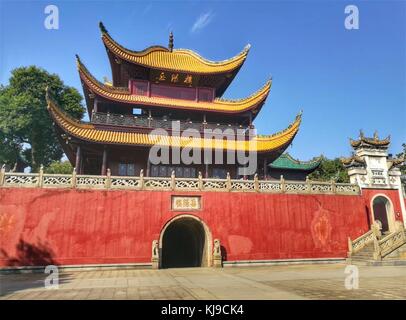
(155, 254)
(217, 258)
(11, 179)
(376, 228)
(399, 226)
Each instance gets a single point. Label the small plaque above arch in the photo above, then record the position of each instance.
(186, 203)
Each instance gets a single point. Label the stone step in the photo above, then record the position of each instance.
(363, 255)
(379, 263)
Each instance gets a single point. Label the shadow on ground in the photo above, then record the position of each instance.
(38, 256)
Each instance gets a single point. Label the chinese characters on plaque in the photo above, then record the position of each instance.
(174, 78)
(182, 203)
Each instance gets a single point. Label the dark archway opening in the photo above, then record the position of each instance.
(183, 244)
(380, 206)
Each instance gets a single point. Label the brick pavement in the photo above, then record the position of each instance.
(272, 282)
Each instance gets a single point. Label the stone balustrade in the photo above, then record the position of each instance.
(43, 180)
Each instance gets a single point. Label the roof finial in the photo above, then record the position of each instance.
(170, 46)
(102, 27)
(376, 135)
(361, 133)
(78, 62)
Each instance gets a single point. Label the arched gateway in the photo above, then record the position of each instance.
(383, 211)
(185, 241)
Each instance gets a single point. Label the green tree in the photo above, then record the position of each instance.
(27, 136)
(60, 167)
(403, 166)
(330, 170)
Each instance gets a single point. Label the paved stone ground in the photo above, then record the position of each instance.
(271, 282)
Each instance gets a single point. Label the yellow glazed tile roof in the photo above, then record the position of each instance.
(181, 60)
(87, 131)
(218, 104)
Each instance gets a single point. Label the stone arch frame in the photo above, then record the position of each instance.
(390, 210)
(207, 259)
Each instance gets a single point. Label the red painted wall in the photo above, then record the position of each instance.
(62, 226)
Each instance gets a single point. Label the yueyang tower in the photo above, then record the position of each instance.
(153, 89)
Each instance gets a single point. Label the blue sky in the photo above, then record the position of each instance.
(344, 80)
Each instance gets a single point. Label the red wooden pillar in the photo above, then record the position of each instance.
(78, 158)
(104, 163)
(148, 167)
(95, 102)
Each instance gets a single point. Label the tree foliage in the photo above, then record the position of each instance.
(403, 166)
(59, 167)
(330, 170)
(27, 136)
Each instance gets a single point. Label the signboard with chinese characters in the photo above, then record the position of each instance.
(176, 78)
(186, 203)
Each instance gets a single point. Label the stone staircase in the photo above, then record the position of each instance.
(366, 254)
(373, 248)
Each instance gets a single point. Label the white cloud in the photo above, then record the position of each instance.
(202, 21)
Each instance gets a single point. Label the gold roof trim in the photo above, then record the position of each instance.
(90, 133)
(181, 60)
(218, 104)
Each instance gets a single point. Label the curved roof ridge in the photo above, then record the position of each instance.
(52, 105)
(243, 52)
(83, 69)
(294, 124)
(312, 161)
(192, 62)
(265, 88)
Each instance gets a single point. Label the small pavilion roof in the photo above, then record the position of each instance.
(353, 161)
(286, 161)
(371, 142)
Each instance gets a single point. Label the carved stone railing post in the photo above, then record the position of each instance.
(283, 185)
(41, 176)
(74, 178)
(399, 226)
(200, 181)
(173, 182)
(376, 228)
(228, 183)
(256, 183)
(108, 179)
(333, 186)
(2, 174)
(217, 258)
(349, 247)
(308, 185)
(155, 254)
(142, 179)
(377, 250)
